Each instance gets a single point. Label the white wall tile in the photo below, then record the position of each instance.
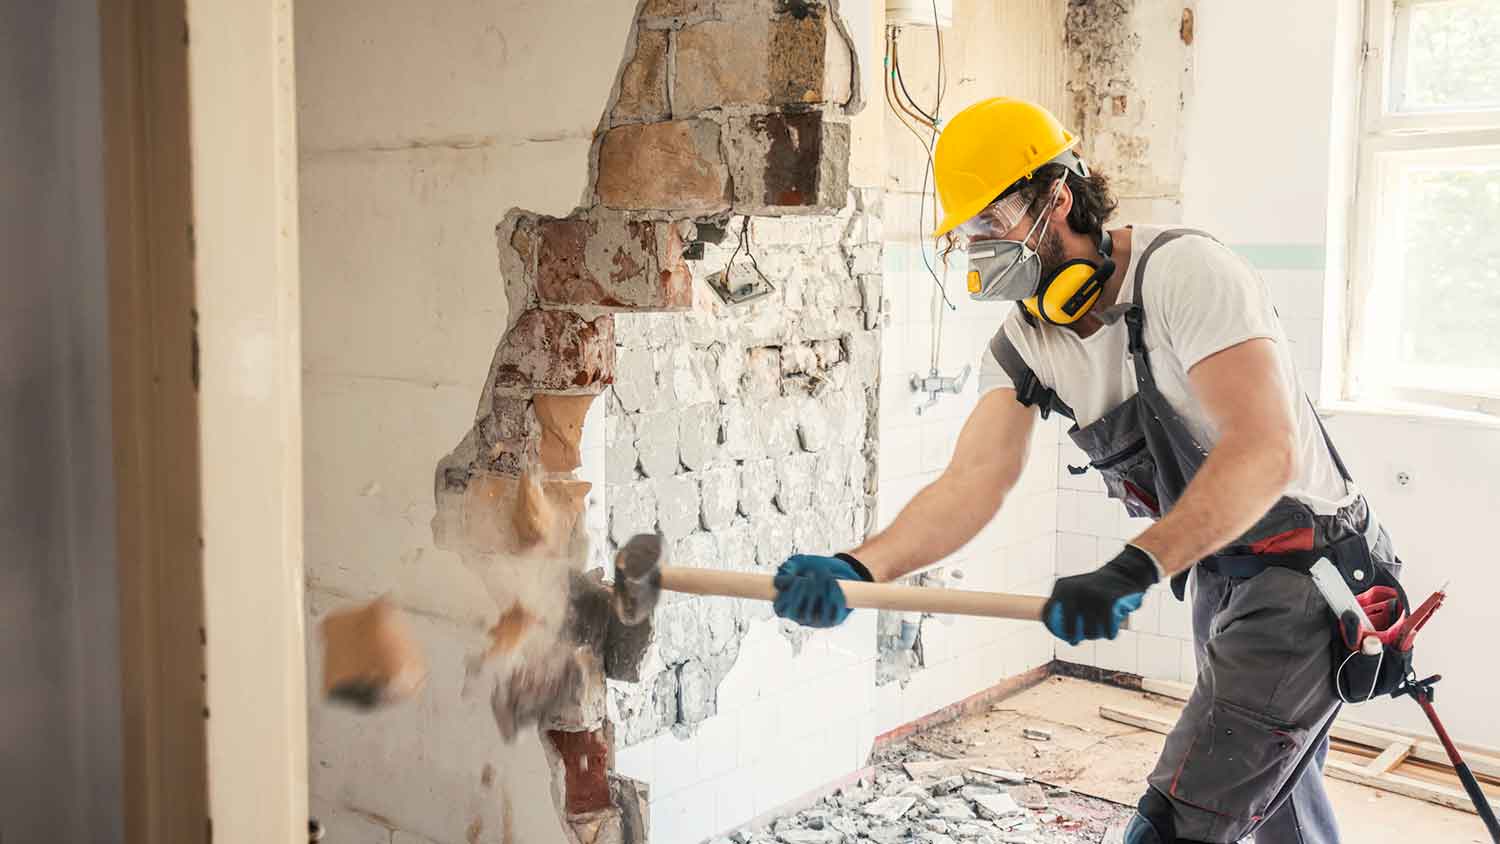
(1083, 653)
(1119, 653)
(734, 800)
(718, 741)
(1160, 658)
(1187, 671)
(677, 766)
(1176, 619)
(1076, 554)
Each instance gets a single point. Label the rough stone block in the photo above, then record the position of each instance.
(632, 510)
(699, 435)
(673, 166)
(699, 550)
(683, 369)
(632, 798)
(605, 261)
(657, 442)
(679, 631)
(620, 456)
(757, 487)
(698, 692)
(719, 63)
(788, 163)
(556, 351)
(812, 426)
(744, 438)
(762, 378)
(636, 386)
(778, 422)
(586, 758)
(677, 507)
(561, 420)
(794, 483)
(736, 546)
(643, 85)
(813, 532)
(773, 541)
(720, 492)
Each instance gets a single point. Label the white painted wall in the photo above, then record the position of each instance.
(1264, 108)
(419, 129)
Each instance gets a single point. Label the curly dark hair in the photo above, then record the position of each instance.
(1093, 204)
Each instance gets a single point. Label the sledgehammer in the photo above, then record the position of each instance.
(640, 576)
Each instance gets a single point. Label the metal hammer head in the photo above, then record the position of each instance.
(638, 577)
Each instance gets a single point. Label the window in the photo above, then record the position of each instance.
(1424, 292)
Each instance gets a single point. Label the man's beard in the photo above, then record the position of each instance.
(1049, 252)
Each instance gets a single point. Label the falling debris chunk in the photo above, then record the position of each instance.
(810, 836)
(1036, 734)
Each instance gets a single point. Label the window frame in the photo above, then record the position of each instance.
(1383, 138)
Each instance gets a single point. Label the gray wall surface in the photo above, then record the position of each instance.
(59, 615)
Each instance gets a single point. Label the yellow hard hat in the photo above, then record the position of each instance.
(988, 147)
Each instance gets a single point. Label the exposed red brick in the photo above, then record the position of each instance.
(557, 351)
(777, 61)
(509, 435)
(586, 758)
(610, 262)
(672, 166)
(561, 418)
(643, 84)
(788, 161)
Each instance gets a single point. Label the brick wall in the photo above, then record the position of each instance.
(742, 434)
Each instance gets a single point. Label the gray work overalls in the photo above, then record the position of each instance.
(1246, 755)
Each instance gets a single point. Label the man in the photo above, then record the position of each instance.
(1165, 348)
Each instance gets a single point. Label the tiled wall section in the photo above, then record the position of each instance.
(1015, 552)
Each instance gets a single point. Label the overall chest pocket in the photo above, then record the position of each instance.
(1130, 475)
(1117, 447)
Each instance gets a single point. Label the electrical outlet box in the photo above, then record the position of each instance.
(919, 13)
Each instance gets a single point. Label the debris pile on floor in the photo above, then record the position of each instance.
(915, 796)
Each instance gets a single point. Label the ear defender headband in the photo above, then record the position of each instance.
(1068, 292)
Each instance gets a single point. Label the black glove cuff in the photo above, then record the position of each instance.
(1138, 565)
(859, 568)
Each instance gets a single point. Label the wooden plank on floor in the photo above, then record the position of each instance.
(1484, 762)
(1134, 718)
(1390, 757)
(1396, 784)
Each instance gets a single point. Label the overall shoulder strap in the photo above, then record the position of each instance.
(1029, 389)
(1135, 331)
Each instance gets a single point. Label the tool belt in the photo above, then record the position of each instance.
(1361, 670)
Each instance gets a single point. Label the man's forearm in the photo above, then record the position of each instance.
(941, 519)
(1242, 477)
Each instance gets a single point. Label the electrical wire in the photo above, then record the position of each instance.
(895, 88)
(744, 242)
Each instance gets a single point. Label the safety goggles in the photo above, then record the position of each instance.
(995, 219)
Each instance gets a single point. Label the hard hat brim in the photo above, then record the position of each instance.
(956, 217)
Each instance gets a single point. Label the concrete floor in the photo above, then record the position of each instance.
(1109, 760)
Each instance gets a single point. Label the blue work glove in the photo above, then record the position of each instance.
(807, 589)
(1092, 606)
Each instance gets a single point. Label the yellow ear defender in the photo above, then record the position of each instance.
(1068, 292)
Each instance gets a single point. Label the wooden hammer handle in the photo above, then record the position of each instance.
(858, 594)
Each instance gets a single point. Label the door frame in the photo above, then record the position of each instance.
(201, 221)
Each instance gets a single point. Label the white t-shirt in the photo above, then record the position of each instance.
(1201, 298)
